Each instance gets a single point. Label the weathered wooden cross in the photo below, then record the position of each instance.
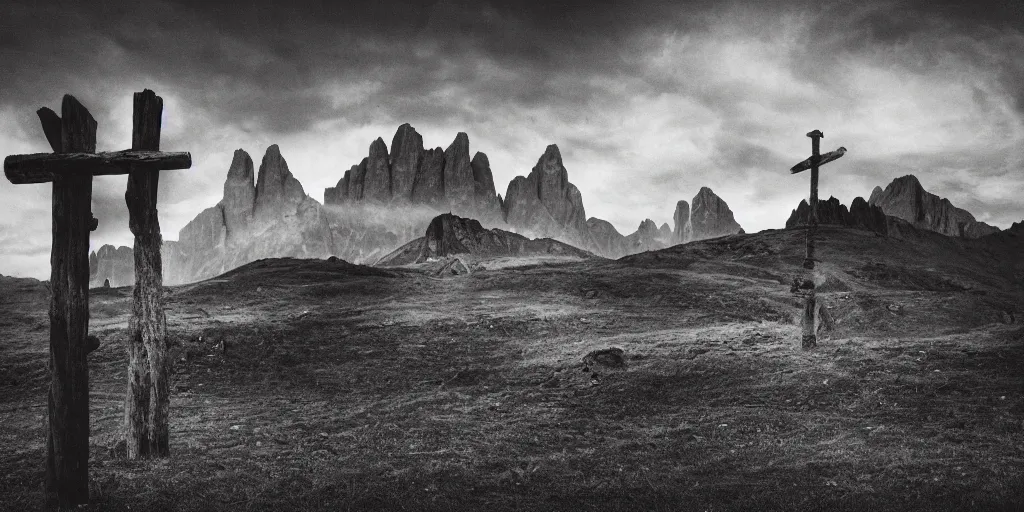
(810, 338)
(70, 168)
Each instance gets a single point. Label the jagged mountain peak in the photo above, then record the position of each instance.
(451, 235)
(241, 166)
(710, 217)
(907, 199)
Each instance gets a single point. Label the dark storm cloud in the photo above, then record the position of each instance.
(648, 100)
(944, 27)
(262, 65)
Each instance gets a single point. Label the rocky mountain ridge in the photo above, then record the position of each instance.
(445, 179)
(710, 217)
(385, 201)
(907, 199)
(451, 235)
(902, 206)
(832, 212)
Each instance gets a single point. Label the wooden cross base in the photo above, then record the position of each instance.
(70, 168)
(810, 338)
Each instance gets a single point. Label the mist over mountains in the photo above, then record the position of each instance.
(387, 200)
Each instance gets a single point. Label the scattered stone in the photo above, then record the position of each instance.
(695, 351)
(801, 284)
(454, 267)
(608, 357)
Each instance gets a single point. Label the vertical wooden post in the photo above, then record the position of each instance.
(67, 441)
(147, 404)
(810, 338)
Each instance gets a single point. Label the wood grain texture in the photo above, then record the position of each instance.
(147, 406)
(46, 167)
(822, 160)
(67, 473)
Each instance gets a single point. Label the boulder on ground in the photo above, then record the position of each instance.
(612, 357)
(454, 267)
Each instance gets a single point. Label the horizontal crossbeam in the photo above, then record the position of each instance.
(822, 160)
(46, 167)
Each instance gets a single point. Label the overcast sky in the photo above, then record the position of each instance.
(648, 101)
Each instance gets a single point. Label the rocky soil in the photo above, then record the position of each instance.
(669, 380)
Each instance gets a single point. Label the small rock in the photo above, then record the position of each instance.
(608, 357)
(235, 427)
(694, 352)
(801, 284)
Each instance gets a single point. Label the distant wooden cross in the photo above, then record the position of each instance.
(70, 168)
(810, 338)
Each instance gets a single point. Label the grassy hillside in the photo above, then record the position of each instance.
(319, 385)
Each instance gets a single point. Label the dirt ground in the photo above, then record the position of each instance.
(317, 385)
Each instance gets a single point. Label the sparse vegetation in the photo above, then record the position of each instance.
(315, 385)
